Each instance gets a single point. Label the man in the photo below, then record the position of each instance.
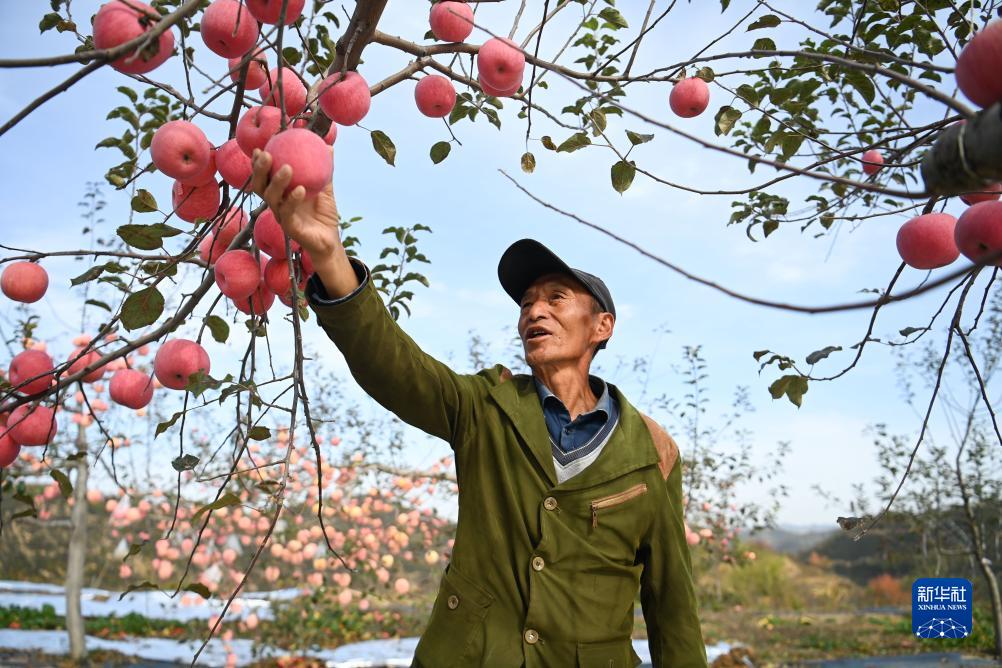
(570, 500)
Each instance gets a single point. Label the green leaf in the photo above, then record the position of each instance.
(218, 327)
(770, 226)
(384, 146)
(259, 433)
(636, 138)
(908, 331)
(88, 275)
(440, 151)
(292, 56)
(146, 237)
(142, 308)
(622, 175)
(598, 121)
(65, 486)
(228, 499)
(99, 304)
(862, 83)
(198, 588)
(142, 586)
(134, 549)
(48, 22)
(184, 463)
(548, 142)
(767, 21)
(201, 382)
(705, 73)
(528, 163)
(764, 44)
(574, 142)
(144, 202)
(748, 94)
(819, 355)
(612, 15)
(128, 92)
(794, 386)
(164, 426)
(725, 119)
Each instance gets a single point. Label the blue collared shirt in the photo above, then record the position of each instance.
(577, 443)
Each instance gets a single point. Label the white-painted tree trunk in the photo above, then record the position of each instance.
(77, 554)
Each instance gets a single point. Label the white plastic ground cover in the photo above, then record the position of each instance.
(184, 607)
(369, 654)
(155, 605)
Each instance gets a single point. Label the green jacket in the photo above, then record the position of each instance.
(542, 574)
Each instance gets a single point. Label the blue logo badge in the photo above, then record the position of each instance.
(941, 608)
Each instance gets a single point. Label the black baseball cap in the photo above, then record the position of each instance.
(527, 259)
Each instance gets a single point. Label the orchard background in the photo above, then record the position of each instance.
(612, 154)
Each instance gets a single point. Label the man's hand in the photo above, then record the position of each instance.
(312, 222)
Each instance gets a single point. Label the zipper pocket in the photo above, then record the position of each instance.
(615, 500)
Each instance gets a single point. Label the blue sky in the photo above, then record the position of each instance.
(475, 213)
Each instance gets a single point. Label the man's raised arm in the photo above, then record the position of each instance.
(385, 361)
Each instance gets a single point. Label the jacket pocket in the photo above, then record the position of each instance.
(614, 500)
(614, 654)
(456, 627)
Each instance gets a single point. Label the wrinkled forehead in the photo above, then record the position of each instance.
(555, 279)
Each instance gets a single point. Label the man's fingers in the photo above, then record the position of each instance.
(260, 164)
(289, 205)
(274, 193)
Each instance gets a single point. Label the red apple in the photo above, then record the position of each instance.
(209, 249)
(873, 160)
(257, 126)
(451, 21)
(233, 164)
(293, 91)
(689, 97)
(498, 92)
(435, 95)
(978, 74)
(257, 74)
(979, 231)
(178, 359)
(194, 202)
(31, 424)
(9, 449)
(269, 11)
(27, 365)
(346, 101)
(276, 277)
(131, 388)
(84, 361)
(230, 225)
(500, 63)
(261, 301)
(269, 237)
(24, 282)
(208, 174)
(926, 242)
(119, 22)
(331, 135)
(237, 274)
(309, 156)
(180, 150)
(228, 29)
(986, 194)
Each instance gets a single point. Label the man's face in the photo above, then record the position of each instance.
(557, 321)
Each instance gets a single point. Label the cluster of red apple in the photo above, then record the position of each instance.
(33, 371)
(935, 240)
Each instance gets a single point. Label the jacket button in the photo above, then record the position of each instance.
(550, 503)
(453, 602)
(531, 636)
(538, 563)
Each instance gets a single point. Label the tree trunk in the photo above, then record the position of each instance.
(77, 553)
(993, 591)
(966, 156)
